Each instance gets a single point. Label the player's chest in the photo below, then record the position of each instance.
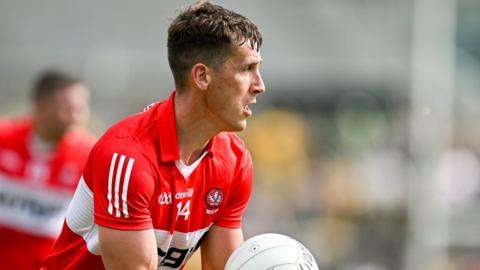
(189, 204)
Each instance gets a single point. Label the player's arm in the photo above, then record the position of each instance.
(219, 243)
(122, 249)
(123, 188)
(226, 233)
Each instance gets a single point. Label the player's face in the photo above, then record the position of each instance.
(234, 88)
(66, 109)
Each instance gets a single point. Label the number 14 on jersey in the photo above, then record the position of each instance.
(183, 210)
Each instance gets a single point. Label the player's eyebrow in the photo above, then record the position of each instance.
(259, 61)
(253, 61)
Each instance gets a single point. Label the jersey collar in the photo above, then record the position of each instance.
(167, 129)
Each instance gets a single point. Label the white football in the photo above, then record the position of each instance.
(271, 251)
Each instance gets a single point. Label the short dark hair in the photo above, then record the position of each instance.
(204, 32)
(51, 81)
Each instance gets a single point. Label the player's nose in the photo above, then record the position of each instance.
(258, 86)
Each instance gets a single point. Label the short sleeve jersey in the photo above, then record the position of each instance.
(132, 181)
(36, 185)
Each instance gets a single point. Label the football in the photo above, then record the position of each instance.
(271, 251)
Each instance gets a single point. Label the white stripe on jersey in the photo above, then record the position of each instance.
(125, 186)
(80, 217)
(117, 185)
(110, 176)
(116, 189)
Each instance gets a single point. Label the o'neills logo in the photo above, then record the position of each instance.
(166, 197)
(185, 194)
(213, 199)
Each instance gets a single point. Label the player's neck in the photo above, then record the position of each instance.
(194, 131)
(44, 134)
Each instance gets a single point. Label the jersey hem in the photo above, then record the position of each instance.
(130, 225)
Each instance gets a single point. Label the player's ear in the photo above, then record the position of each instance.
(201, 76)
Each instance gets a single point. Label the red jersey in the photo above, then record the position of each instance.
(36, 183)
(134, 180)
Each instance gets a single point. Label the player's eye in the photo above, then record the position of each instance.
(250, 67)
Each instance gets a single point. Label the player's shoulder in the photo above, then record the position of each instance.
(81, 139)
(15, 126)
(230, 140)
(230, 147)
(136, 125)
(133, 136)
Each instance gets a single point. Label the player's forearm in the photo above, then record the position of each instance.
(218, 246)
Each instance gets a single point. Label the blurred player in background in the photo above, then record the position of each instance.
(41, 159)
(164, 182)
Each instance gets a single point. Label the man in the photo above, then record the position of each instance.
(41, 160)
(164, 182)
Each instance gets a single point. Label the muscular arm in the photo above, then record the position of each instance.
(218, 245)
(128, 249)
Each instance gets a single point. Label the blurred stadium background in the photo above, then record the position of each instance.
(366, 144)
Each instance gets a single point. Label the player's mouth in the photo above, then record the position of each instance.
(247, 110)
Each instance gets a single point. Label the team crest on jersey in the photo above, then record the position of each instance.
(213, 199)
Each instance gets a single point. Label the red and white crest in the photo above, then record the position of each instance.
(214, 198)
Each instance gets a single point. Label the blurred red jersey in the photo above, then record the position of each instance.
(134, 180)
(36, 183)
